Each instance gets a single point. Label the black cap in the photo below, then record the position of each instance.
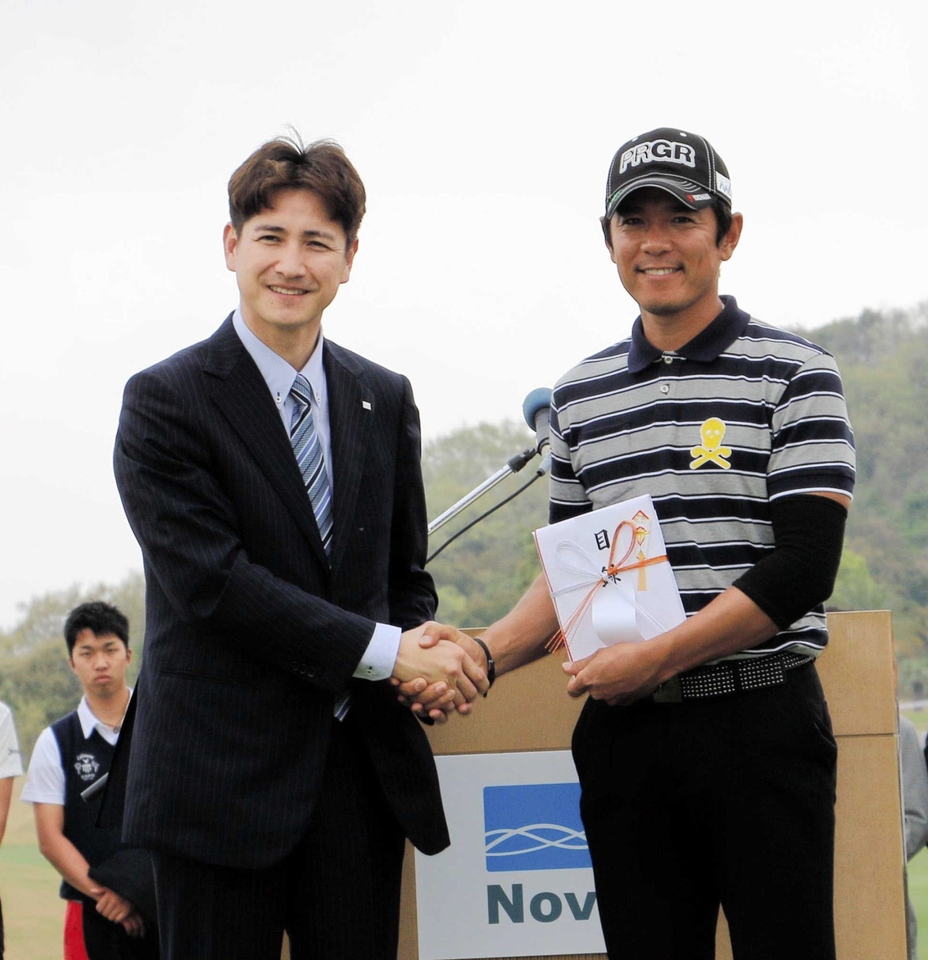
(683, 164)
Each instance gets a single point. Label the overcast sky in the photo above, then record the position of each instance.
(483, 132)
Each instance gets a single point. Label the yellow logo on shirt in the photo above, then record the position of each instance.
(712, 432)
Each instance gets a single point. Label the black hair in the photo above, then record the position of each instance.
(285, 163)
(102, 619)
(723, 219)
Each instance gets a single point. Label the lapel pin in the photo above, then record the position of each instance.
(366, 404)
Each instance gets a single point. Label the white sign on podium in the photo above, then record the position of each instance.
(516, 880)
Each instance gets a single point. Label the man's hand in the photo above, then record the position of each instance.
(118, 909)
(134, 925)
(620, 674)
(431, 663)
(435, 700)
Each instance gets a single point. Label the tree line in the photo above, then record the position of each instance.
(883, 357)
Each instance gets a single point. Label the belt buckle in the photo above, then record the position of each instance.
(669, 692)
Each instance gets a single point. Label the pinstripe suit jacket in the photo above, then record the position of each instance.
(250, 633)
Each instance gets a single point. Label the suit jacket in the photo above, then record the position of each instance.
(251, 634)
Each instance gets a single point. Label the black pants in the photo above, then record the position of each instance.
(720, 801)
(337, 894)
(105, 940)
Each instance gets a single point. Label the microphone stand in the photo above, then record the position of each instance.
(535, 411)
(513, 465)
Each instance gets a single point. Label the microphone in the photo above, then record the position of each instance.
(536, 409)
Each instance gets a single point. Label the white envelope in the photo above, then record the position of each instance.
(609, 576)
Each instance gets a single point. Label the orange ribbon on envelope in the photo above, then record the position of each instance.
(612, 569)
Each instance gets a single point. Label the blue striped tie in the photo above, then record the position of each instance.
(308, 452)
(309, 456)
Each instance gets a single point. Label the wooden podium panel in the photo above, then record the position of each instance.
(529, 710)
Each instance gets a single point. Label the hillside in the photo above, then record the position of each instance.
(884, 362)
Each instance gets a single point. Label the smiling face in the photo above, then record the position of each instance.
(669, 261)
(100, 663)
(289, 261)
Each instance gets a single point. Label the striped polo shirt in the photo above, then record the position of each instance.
(741, 415)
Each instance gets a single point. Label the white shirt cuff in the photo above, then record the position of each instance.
(380, 656)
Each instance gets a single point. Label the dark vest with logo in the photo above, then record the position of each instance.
(84, 760)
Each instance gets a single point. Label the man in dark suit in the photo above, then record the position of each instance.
(271, 769)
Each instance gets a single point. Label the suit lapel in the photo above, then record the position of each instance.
(351, 407)
(241, 393)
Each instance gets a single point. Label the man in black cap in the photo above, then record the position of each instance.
(705, 754)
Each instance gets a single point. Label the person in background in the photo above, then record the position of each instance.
(69, 757)
(915, 804)
(10, 767)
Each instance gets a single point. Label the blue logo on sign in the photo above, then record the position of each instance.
(534, 826)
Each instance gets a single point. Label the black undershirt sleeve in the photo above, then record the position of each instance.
(799, 573)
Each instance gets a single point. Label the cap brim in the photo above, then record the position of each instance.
(690, 194)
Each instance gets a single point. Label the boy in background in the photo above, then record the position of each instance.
(69, 757)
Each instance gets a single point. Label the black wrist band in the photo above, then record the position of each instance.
(491, 663)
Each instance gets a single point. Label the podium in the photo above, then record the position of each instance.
(528, 710)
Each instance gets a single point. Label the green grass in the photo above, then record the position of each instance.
(919, 718)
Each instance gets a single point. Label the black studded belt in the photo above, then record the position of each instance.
(729, 676)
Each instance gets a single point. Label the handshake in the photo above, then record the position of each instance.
(439, 670)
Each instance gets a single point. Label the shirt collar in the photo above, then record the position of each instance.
(89, 721)
(277, 373)
(705, 347)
